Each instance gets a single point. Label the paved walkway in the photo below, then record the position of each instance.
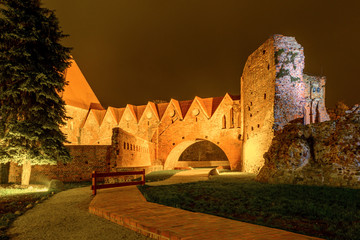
(127, 207)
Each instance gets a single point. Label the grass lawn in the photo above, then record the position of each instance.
(159, 175)
(326, 212)
(15, 201)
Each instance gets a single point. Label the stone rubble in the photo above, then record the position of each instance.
(326, 153)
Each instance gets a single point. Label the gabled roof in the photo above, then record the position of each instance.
(161, 108)
(234, 97)
(153, 107)
(177, 107)
(132, 110)
(219, 100)
(205, 104)
(150, 107)
(215, 103)
(117, 113)
(184, 106)
(99, 115)
(140, 110)
(206, 109)
(78, 92)
(173, 104)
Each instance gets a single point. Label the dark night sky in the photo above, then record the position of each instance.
(133, 51)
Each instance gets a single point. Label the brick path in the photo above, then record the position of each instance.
(126, 206)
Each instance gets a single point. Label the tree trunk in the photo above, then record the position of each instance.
(4, 173)
(26, 172)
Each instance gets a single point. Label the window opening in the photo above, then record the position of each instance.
(231, 118)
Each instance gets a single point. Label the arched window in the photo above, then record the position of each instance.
(127, 146)
(224, 122)
(124, 145)
(131, 146)
(231, 118)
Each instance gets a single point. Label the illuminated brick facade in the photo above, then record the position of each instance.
(274, 91)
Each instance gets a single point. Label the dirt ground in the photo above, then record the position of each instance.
(66, 216)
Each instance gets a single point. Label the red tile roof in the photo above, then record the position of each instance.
(161, 108)
(99, 115)
(117, 113)
(140, 110)
(78, 92)
(184, 106)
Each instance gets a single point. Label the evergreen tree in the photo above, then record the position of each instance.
(32, 74)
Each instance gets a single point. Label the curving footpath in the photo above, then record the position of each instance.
(127, 207)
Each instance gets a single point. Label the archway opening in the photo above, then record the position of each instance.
(197, 154)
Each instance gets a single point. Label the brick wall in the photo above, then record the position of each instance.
(130, 150)
(274, 92)
(85, 160)
(223, 129)
(73, 125)
(257, 105)
(315, 110)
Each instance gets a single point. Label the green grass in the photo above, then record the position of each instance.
(327, 212)
(159, 175)
(7, 192)
(16, 199)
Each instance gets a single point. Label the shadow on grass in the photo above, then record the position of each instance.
(159, 175)
(327, 212)
(16, 201)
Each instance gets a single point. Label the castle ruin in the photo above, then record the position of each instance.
(274, 92)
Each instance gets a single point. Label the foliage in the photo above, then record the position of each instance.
(294, 79)
(278, 54)
(328, 212)
(32, 67)
(282, 73)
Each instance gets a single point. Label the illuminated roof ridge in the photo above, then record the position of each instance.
(78, 92)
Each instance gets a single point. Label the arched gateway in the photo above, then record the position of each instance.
(198, 153)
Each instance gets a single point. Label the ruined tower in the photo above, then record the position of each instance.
(274, 91)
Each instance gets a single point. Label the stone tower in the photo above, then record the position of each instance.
(274, 91)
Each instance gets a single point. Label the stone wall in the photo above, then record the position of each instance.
(130, 150)
(290, 88)
(257, 96)
(315, 110)
(85, 160)
(326, 153)
(73, 125)
(274, 92)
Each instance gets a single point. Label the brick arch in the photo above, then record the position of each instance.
(176, 152)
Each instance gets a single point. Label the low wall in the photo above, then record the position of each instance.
(86, 158)
(130, 150)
